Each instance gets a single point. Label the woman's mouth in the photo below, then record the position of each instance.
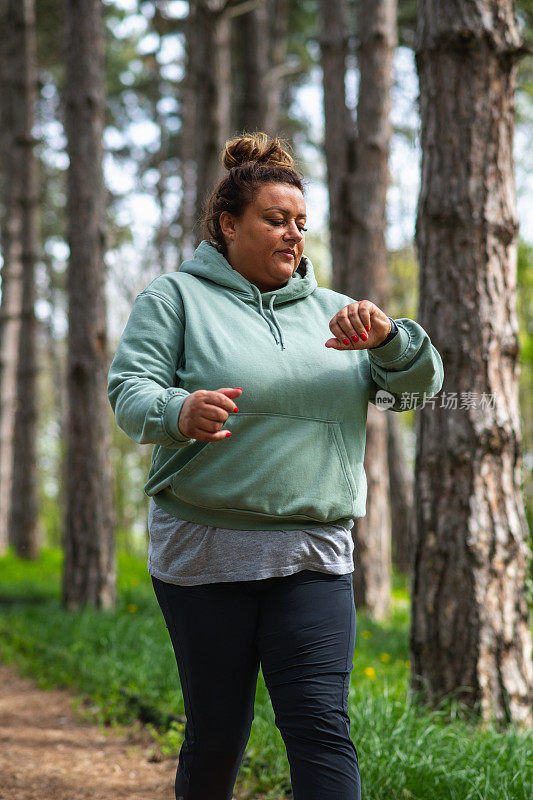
(285, 253)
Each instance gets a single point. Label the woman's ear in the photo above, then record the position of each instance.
(227, 225)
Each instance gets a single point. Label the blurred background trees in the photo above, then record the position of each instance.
(339, 82)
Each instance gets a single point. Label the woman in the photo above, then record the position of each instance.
(250, 547)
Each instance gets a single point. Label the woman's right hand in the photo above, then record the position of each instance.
(204, 412)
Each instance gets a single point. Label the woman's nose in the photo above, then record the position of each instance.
(294, 233)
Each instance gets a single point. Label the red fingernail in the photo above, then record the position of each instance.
(355, 337)
(228, 433)
(364, 337)
(345, 341)
(235, 409)
(367, 327)
(239, 387)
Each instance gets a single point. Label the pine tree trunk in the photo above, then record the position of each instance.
(470, 635)
(11, 273)
(401, 496)
(24, 497)
(251, 48)
(162, 243)
(89, 568)
(358, 187)
(277, 32)
(210, 66)
(339, 131)
(56, 367)
(14, 150)
(260, 48)
(367, 256)
(188, 173)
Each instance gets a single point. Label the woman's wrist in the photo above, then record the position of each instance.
(391, 334)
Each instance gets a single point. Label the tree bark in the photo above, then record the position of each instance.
(11, 305)
(358, 178)
(56, 367)
(18, 490)
(339, 131)
(23, 523)
(401, 496)
(162, 244)
(470, 634)
(260, 45)
(259, 65)
(89, 567)
(251, 46)
(209, 63)
(277, 31)
(367, 254)
(188, 173)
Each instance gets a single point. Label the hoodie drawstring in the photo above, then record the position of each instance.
(272, 325)
(276, 323)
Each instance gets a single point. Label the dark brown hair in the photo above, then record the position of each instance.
(252, 161)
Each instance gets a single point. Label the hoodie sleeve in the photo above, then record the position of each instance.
(409, 364)
(141, 378)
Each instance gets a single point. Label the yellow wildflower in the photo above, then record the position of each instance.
(366, 634)
(370, 673)
(132, 608)
(385, 657)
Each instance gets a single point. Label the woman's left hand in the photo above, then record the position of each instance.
(358, 326)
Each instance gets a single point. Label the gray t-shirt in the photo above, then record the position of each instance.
(187, 553)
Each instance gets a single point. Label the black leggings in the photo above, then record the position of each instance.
(301, 629)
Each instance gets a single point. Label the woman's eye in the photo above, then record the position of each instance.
(281, 222)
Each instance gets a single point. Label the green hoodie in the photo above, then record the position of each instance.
(295, 457)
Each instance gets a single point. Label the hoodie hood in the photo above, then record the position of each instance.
(207, 262)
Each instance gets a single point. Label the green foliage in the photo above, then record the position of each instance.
(405, 751)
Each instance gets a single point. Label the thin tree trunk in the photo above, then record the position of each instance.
(339, 131)
(188, 175)
(210, 66)
(277, 31)
(11, 273)
(358, 187)
(24, 497)
(159, 161)
(401, 496)
(89, 569)
(14, 151)
(251, 46)
(470, 634)
(56, 365)
(260, 45)
(367, 257)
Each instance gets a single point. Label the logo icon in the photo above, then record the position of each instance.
(384, 399)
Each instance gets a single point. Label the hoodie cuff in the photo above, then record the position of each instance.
(171, 413)
(392, 350)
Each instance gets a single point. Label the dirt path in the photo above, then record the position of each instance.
(48, 753)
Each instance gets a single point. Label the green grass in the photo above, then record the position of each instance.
(406, 752)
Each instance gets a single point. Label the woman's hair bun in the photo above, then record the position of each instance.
(261, 160)
(256, 147)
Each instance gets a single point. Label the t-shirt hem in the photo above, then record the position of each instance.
(336, 568)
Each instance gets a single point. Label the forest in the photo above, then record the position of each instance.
(412, 124)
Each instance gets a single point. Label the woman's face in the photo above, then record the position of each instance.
(271, 224)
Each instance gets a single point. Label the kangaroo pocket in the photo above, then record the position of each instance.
(273, 465)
